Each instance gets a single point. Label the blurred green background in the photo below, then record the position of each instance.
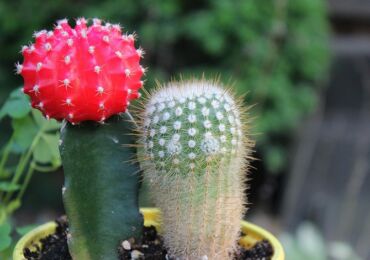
(275, 52)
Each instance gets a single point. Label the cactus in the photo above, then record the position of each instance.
(101, 187)
(194, 149)
(82, 75)
(85, 73)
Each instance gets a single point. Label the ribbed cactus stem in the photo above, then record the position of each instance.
(195, 146)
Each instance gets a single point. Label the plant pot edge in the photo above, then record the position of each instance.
(151, 216)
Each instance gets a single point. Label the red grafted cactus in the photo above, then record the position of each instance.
(82, 73)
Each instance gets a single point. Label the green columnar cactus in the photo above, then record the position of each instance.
(101, 186)
(195, 145)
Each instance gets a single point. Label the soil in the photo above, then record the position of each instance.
(54, 247)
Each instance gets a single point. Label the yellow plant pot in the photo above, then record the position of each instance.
(251, 235)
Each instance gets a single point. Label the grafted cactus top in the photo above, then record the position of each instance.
(81, 73)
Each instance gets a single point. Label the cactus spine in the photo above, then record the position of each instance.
(194, 147)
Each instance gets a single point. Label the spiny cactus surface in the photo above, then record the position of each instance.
(81, 73)
(195, 147)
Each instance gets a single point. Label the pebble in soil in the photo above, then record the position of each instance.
(54, 247)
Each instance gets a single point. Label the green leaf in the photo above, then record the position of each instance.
(311, 242)
(293, 252)
(342, 250)
(52, 142)
(5, 173)
(7, 186)
(38, 117)
(12, 206)
(46, 150)
(51, 125)
(42, 153)
(17, 149)
(25, 229)
(5, 238)
(3, 215)
(25, 130)
(17, 105)
(275, 157)
(7, 254)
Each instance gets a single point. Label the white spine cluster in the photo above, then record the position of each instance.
(195, 148)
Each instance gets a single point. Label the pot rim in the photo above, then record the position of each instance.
(152, 218)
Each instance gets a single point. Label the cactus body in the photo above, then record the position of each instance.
(101, 187)
(195, 149)
(81, 73)
(84, 74)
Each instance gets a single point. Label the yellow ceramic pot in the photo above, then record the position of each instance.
(251, 235)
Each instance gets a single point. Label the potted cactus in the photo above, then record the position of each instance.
(87, 76)
(189, 138)
(195, 149)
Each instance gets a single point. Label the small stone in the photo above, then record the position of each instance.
(126, 245)
(136, 254)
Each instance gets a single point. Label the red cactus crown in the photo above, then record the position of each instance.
(85, 73)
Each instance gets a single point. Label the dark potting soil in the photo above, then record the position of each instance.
(54, 247)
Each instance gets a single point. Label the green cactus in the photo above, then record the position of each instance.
(101, 186)
(195, 145)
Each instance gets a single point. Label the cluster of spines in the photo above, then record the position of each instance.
(81, 73)
(194, 149)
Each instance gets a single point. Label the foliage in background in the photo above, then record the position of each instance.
(32, 146)
(308, 243)
(275, 50)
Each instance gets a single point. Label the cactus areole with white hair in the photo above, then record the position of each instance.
(87, 76)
